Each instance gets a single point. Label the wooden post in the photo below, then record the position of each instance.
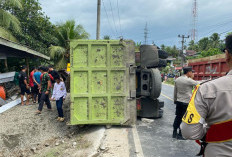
(28, 72)
(6, 65)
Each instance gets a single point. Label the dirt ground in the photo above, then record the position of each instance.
(24, 134)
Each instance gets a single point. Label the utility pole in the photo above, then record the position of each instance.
(98, 19)
(182, 52)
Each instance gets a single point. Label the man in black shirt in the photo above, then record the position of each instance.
(24, 86)
(54, 73)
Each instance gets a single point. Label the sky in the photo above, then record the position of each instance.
(165, 19)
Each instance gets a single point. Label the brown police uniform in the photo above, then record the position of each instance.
(209, 116)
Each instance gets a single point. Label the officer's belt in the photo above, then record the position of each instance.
(219, 132)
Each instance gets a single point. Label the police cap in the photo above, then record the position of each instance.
(187, 69)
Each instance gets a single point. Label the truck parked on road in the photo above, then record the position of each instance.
(211, 67)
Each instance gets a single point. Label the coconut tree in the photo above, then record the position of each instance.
(7, 20)
(215, 40)
(7, 35)
(65, 32)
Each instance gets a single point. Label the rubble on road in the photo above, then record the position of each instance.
(146, 120)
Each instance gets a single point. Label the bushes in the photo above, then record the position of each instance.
(170, 81)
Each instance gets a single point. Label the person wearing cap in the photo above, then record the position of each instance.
(54, 73)
(208, 118)
(23, 84)
(182, 94)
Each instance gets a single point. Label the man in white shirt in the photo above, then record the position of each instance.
(182, 95)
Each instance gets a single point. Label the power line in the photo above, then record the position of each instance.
(219, 26)
(225, 32)
(119, 19)
(113, 17)
(107, 16)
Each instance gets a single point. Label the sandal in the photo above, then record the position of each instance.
(38, 112)
(61, 119)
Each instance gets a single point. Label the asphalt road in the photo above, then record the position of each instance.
(156, 137)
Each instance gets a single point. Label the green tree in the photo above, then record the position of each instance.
(204, 44)
(172, 51)
(193, 46)
(37, 31)
(106, 37)
(162, 47)
(228, 34)
(166, 69)
(7, 34)
(65, 32)
(214, 40)
(210, 52)
(175, 51)
(7, 19)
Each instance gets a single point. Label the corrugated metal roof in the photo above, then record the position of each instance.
(7, 77)
(12, 49)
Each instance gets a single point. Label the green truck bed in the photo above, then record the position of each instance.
(102, 84)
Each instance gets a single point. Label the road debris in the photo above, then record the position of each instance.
(146, 120)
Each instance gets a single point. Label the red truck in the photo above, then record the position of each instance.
(209, 67)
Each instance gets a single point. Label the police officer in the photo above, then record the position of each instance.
(209, 115)
(182, 94)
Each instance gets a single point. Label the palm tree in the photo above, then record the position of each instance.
(66, 32)
(215, 40)
(204, 44)
(7, 35)
(7, 20)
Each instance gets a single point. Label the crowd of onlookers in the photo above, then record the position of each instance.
(44, 84)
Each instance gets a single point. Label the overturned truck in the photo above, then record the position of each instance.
(107, 86)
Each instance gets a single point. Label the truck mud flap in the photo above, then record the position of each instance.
(150, 108)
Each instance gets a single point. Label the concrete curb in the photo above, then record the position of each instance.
(168, 84)
(97, 138)
(94, 136)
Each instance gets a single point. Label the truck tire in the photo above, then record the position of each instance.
(163, 54)
(155, 84)
(162, 63)
(149, 56)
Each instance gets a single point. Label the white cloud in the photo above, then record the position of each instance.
(166, 18)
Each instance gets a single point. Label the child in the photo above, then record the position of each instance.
(59, 94)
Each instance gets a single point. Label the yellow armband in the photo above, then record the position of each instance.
(192, 116)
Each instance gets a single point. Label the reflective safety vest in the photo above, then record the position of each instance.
(218, 132)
